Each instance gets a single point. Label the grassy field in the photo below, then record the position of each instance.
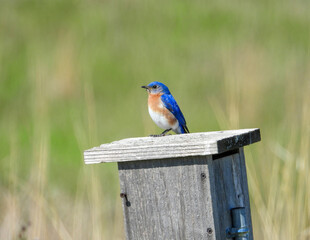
(70, 77)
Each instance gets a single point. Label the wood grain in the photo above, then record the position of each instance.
(230, 191)
(172, 146)
(168, 199)
(183, 198)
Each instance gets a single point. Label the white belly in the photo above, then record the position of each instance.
(161, 121)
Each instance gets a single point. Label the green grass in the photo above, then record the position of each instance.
(70, 77)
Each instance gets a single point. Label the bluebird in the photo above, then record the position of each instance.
(164, 110)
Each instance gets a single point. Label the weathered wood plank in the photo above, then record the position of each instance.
(245, 192)
(173, 146)
(187, 198)
(168, 199)
(230, 190)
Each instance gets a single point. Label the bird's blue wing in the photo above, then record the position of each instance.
(170, 103)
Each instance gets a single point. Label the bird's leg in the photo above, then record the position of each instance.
(162, 134)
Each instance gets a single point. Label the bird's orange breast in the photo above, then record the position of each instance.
(154, 102)
(156, 105)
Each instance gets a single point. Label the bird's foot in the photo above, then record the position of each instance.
(159, 135)
(162, 134)
(156, 135)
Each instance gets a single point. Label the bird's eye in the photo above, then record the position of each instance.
(155, 86)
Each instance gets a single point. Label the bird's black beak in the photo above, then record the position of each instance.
(146, 87)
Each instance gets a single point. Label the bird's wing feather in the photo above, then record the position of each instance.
(170, 103)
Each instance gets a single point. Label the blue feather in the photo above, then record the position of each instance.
(170, 103)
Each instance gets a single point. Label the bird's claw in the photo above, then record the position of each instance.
(164, 133)
(159, 135)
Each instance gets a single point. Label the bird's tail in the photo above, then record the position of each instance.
(185, 129)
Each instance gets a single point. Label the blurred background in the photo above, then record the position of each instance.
(70, 77)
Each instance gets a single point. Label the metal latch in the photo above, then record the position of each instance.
(239, 229)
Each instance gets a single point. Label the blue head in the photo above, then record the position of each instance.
(157, 87)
